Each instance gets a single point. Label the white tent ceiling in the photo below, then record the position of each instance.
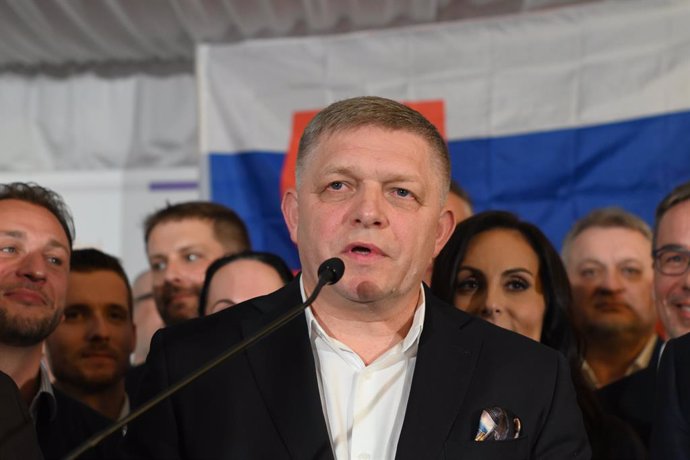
(58, 32)
(110, 85)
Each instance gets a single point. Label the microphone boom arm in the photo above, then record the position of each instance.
(329, 272)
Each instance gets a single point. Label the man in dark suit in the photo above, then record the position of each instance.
(17, 435)
(670, 435)
(630, 398)
(671, 428)
(376, 368)
(36, 234)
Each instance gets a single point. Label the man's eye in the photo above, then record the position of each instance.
(71, 315)
(55, 261)
(403, 193)
(631, 271)
(192, 257)
(336, 185)
(589, 273)
(157, 266)
(8, 250)
(118, 315)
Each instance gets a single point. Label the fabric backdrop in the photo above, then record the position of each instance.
(548, 115)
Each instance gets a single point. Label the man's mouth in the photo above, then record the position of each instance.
(611, 306)
(362, 249)
(682, 306)
(26, 296)
(99, 354)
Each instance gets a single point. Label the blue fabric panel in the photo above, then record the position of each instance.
(249, 183)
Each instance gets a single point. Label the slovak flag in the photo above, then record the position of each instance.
(547, 114)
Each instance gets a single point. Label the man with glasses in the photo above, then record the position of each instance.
(671, 260)
(671, 436)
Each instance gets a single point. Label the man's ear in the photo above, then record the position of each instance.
(290, 208)
(446, 226)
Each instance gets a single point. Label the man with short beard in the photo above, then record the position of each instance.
(181, 242)
(89, 351)
(36, 234)
(608, 257)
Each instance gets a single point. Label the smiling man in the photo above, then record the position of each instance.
(36, 234)
(181, 242)
(671, 437)
(376, 368)
(672, 259)
(89, 351)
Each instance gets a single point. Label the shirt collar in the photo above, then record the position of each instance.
(124, 412)
(641, 361)
(410, 340)
(644, 357)
(45, 397)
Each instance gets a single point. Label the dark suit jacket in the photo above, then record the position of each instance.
(671, 428)
(17, 435)
(265, 404)
(632, 398)
(73, 424)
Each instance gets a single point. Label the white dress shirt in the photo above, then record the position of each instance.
(364, 406)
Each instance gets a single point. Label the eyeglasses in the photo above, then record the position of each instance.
(671, 262)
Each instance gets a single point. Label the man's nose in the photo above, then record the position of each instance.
(173, 272)
(33, 266)
(611, 281)
(98, 328)
(369, 208)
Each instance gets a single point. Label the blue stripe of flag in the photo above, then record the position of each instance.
(549, 178)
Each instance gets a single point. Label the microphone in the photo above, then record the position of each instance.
(329, 272)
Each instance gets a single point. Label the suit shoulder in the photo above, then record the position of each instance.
(497, 339)
(225, 326)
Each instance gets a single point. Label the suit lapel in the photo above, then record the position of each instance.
(283, 366)
(445, 362)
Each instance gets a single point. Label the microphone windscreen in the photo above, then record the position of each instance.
(331, 270)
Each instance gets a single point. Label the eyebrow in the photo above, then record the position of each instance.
(510, 271)
(13, 234)
(189, 247)
(20, 235)
(353, 172)
(589, 260)
(673, 247)
(513, 271)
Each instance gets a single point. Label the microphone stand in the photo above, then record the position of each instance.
(329, 272)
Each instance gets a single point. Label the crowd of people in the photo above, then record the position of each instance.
(450, 335)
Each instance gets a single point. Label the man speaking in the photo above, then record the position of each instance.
(376, 368)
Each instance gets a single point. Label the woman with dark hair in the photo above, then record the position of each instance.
(239, 277)
(506, 271)
(555, 329)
